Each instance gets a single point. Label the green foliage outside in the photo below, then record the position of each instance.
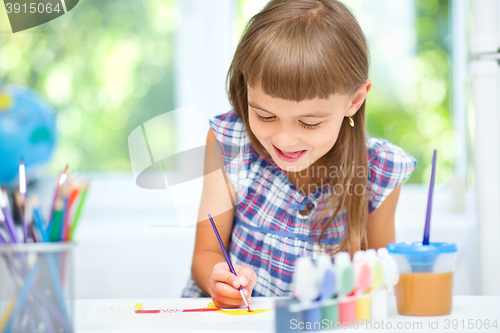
(424, 123)
(105, 66)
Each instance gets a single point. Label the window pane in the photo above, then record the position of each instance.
(105, 67)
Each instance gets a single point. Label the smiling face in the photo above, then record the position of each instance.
(297, 134)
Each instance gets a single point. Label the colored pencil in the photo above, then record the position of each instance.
(65, 225)
(38, 220)
(22, 191)
(62, 178)
(55, 225)
(58, 228)
(23, 296)
(18, 202)
(56, 284)
(2, 239)
(8, 223)
(79, 210)
(231, 268)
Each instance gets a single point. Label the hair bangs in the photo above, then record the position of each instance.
(296, 60)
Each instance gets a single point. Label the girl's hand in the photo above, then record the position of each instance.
(224, 285)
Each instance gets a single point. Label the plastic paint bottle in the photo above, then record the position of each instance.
(345, 282)
(378, 307)
(363, 279)
(307, 291)
(327, 289)
(390, 279)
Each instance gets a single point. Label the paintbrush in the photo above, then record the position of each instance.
(231, 268)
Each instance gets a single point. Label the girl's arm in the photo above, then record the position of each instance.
(207, 251)
(380, 226)
(209, 269)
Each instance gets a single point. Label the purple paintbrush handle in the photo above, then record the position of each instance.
(427, 229)
(231, 268)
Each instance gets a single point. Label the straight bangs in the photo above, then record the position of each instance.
(299, 58)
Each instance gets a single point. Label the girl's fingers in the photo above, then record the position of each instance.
(226, 284)
(225, 276)
(247, 276)
(223, 301)
(228, 291)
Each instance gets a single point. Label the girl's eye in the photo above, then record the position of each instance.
(263, 118)
(309, 125)
(266, 119)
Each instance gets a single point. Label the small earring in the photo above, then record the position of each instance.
(351, 122)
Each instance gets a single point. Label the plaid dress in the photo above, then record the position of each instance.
(269, 233)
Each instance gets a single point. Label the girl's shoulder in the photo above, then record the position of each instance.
(230, 132)
(385, 154)
(229, 127)
(389, 166)
(235, 146)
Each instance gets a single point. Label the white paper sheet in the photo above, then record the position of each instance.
(115, 313)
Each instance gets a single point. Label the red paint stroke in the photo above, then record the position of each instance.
(200, 310)
(147, 311)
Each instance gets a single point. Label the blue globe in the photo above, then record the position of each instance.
(27, 131)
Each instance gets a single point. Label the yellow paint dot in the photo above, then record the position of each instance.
(138, 306)
(243, 312)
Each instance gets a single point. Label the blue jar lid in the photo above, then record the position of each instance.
(417, 248)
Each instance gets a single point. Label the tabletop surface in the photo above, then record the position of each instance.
(469, 314)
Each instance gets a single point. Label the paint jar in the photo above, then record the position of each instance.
(347, 310)
(285, 319)
(330, 311)
(425, 286)
(36, 287)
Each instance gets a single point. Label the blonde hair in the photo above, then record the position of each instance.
(306, 49)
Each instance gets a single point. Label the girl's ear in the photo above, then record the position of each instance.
(358, 98)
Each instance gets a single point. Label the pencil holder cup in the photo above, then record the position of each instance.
(36, 287)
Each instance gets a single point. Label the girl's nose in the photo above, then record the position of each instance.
(284, 138)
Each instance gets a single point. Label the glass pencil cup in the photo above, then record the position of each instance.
(36, 287)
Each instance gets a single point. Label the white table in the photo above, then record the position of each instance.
(473, 310)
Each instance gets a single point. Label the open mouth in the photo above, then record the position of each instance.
(289, 157)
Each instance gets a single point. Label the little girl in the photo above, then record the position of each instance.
(307, 179)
